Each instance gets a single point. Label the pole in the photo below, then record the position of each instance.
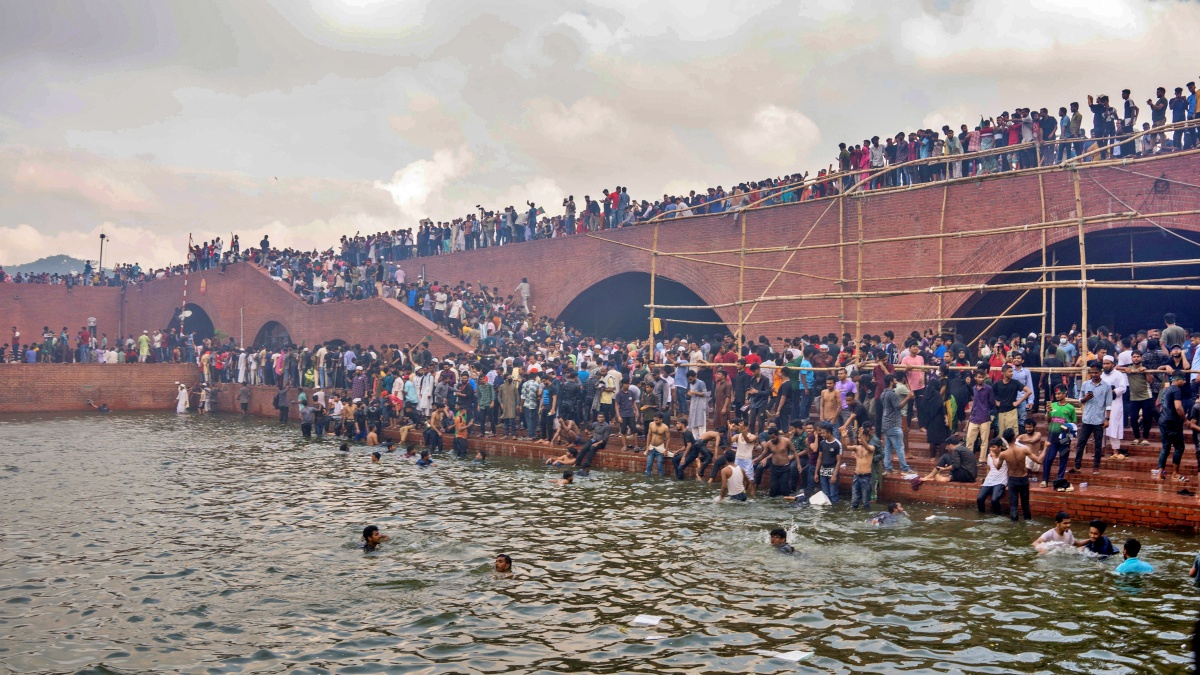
(100, 265)
(653, 266)
(186, 268)
(1083, 280)
(242, 329)
(1054, 296)
(942, 253)
(741, 285)
(858, 300)
(842, 260)
(1042, 195)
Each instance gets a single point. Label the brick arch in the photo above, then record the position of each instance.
(616, 260)
(270, 319)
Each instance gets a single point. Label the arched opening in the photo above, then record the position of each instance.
(335, 344)
(195, 320)
(272, 336)
(615, 308)
(1122, 310)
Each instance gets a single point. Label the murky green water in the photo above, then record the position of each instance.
(151, 543)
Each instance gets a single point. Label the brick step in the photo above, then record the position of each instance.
(1113, 474)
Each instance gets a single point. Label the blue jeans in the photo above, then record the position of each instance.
(682, 400)
(1022, 411)
(893, 440)
(996, 492)
(321, 377)
(653, 456)
(861, 491)
(531, 427)
(1062, 452)
(829, 486)
(510, 426)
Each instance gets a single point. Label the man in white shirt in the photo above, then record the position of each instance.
(1058, 536)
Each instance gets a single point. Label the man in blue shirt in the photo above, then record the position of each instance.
(1097, 543)
(1096, 396)
(1132, 565)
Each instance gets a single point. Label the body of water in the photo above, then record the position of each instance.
(157, 543)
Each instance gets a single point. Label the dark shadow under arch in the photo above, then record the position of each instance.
(198, 321)
(615, 308)
(272, 335)
(1122, 310)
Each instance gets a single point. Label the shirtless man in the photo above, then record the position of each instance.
(1018, 474)
(864, 454)
(779, 453)
(1036, 442)
(831, 403)
(565, 459)
(567, 432)
(657, 436)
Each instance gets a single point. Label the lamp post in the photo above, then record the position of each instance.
(101, 263)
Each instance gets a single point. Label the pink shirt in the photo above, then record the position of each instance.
(916, 378)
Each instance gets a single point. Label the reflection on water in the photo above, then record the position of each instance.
(151, 543)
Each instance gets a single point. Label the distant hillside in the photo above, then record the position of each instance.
(62, 264)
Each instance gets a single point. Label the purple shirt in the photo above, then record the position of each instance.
(844, 386)
(981, 407)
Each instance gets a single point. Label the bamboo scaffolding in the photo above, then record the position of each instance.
(946, 289)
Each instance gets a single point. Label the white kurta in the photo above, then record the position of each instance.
(1116, 417)
(425, 394)
(181, 401)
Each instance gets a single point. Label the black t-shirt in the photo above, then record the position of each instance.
(829, 451)
(1048, 127)
(1168, 417)
(1006, 394)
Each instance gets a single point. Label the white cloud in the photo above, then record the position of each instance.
(778, 137)
(418, 184)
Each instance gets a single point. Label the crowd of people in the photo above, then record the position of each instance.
(1037, 136)
(791, 409)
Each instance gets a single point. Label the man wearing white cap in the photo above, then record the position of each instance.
(1115, 430)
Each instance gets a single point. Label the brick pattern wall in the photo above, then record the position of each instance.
(560, 269)
(67, 387)
(239, 302)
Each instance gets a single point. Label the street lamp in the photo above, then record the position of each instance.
(101, 264)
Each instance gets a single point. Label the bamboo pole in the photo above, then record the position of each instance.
(1031, 227)
(1083, 291)
(741, 286)
(761, 322)
(1042, 196)
(653, 271)
(842, 261)
(859, 276)
(967, 288)
(964, 318)
(942, 253)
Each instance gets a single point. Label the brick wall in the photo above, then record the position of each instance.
(239, 303)
(67, 387)
(560, 269)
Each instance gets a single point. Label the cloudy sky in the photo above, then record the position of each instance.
(307, 119)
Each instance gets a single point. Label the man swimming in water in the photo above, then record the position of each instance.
(102, 408)
(568, 477)
(503, 565)
(779, 541)
(425, 460)
(888, 517)
(372, 538)
(375, 457)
